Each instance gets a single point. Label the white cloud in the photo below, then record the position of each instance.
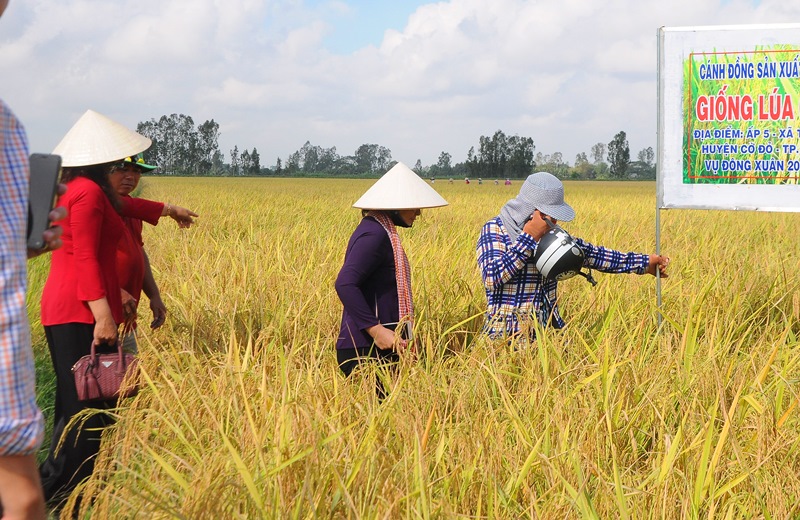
(568, 73)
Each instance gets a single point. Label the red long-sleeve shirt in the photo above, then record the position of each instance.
(130, 255)
(84, 268)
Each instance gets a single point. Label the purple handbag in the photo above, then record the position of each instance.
(99, 377)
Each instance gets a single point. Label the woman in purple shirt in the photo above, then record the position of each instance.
(374, 283)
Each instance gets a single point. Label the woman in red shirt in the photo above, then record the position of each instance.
(133, 265)
(81, 302)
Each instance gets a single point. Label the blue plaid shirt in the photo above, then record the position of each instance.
(515, 290)
(21, 422)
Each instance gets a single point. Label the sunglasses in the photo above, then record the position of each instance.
(125, 167)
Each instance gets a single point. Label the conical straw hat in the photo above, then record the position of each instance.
(400, 188)
(96, 139)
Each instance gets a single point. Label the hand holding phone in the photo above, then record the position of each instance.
(45, 170)
(536, 225)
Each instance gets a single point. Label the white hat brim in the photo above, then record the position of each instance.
(400, 188)
(96, 139)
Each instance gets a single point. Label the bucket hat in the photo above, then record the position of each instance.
(543, 191)
(400, 188)
(96, 139)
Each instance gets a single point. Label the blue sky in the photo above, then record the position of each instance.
(357, 24)
(417, 77)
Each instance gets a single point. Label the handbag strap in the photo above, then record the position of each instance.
(120, 354)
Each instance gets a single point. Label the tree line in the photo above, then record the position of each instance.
(182, 148)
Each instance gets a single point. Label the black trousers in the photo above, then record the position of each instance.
(66, 468)
(350, 358)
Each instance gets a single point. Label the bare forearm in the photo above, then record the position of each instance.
(100, 309)
(105, 328)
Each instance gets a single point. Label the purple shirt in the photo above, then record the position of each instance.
(367, 285)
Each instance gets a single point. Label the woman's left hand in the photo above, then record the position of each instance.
(183, 216)
(159, 312)
(659, 262)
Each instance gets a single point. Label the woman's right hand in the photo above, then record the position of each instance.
(536, 226)
(105, 331)
(105, 328)
(385, 338)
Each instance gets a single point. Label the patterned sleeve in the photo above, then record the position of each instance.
(499, 263)
(610, 261)
(21, 422)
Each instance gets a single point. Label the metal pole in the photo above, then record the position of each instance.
(659, 163)
(658, 272)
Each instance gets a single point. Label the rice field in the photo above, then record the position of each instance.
(244, 414)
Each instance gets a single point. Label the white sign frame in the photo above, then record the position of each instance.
(675, 45)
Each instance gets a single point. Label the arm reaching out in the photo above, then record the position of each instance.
(659, 262)
(180, 215)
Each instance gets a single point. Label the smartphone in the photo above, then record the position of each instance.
(408, 333)
(45, 172)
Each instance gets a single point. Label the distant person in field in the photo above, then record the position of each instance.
(374, 284)
(81, 299)
(133, 265)
(516, 292)
(508, 182)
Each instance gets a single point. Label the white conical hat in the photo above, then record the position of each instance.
(96, 139)
(400, 188)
